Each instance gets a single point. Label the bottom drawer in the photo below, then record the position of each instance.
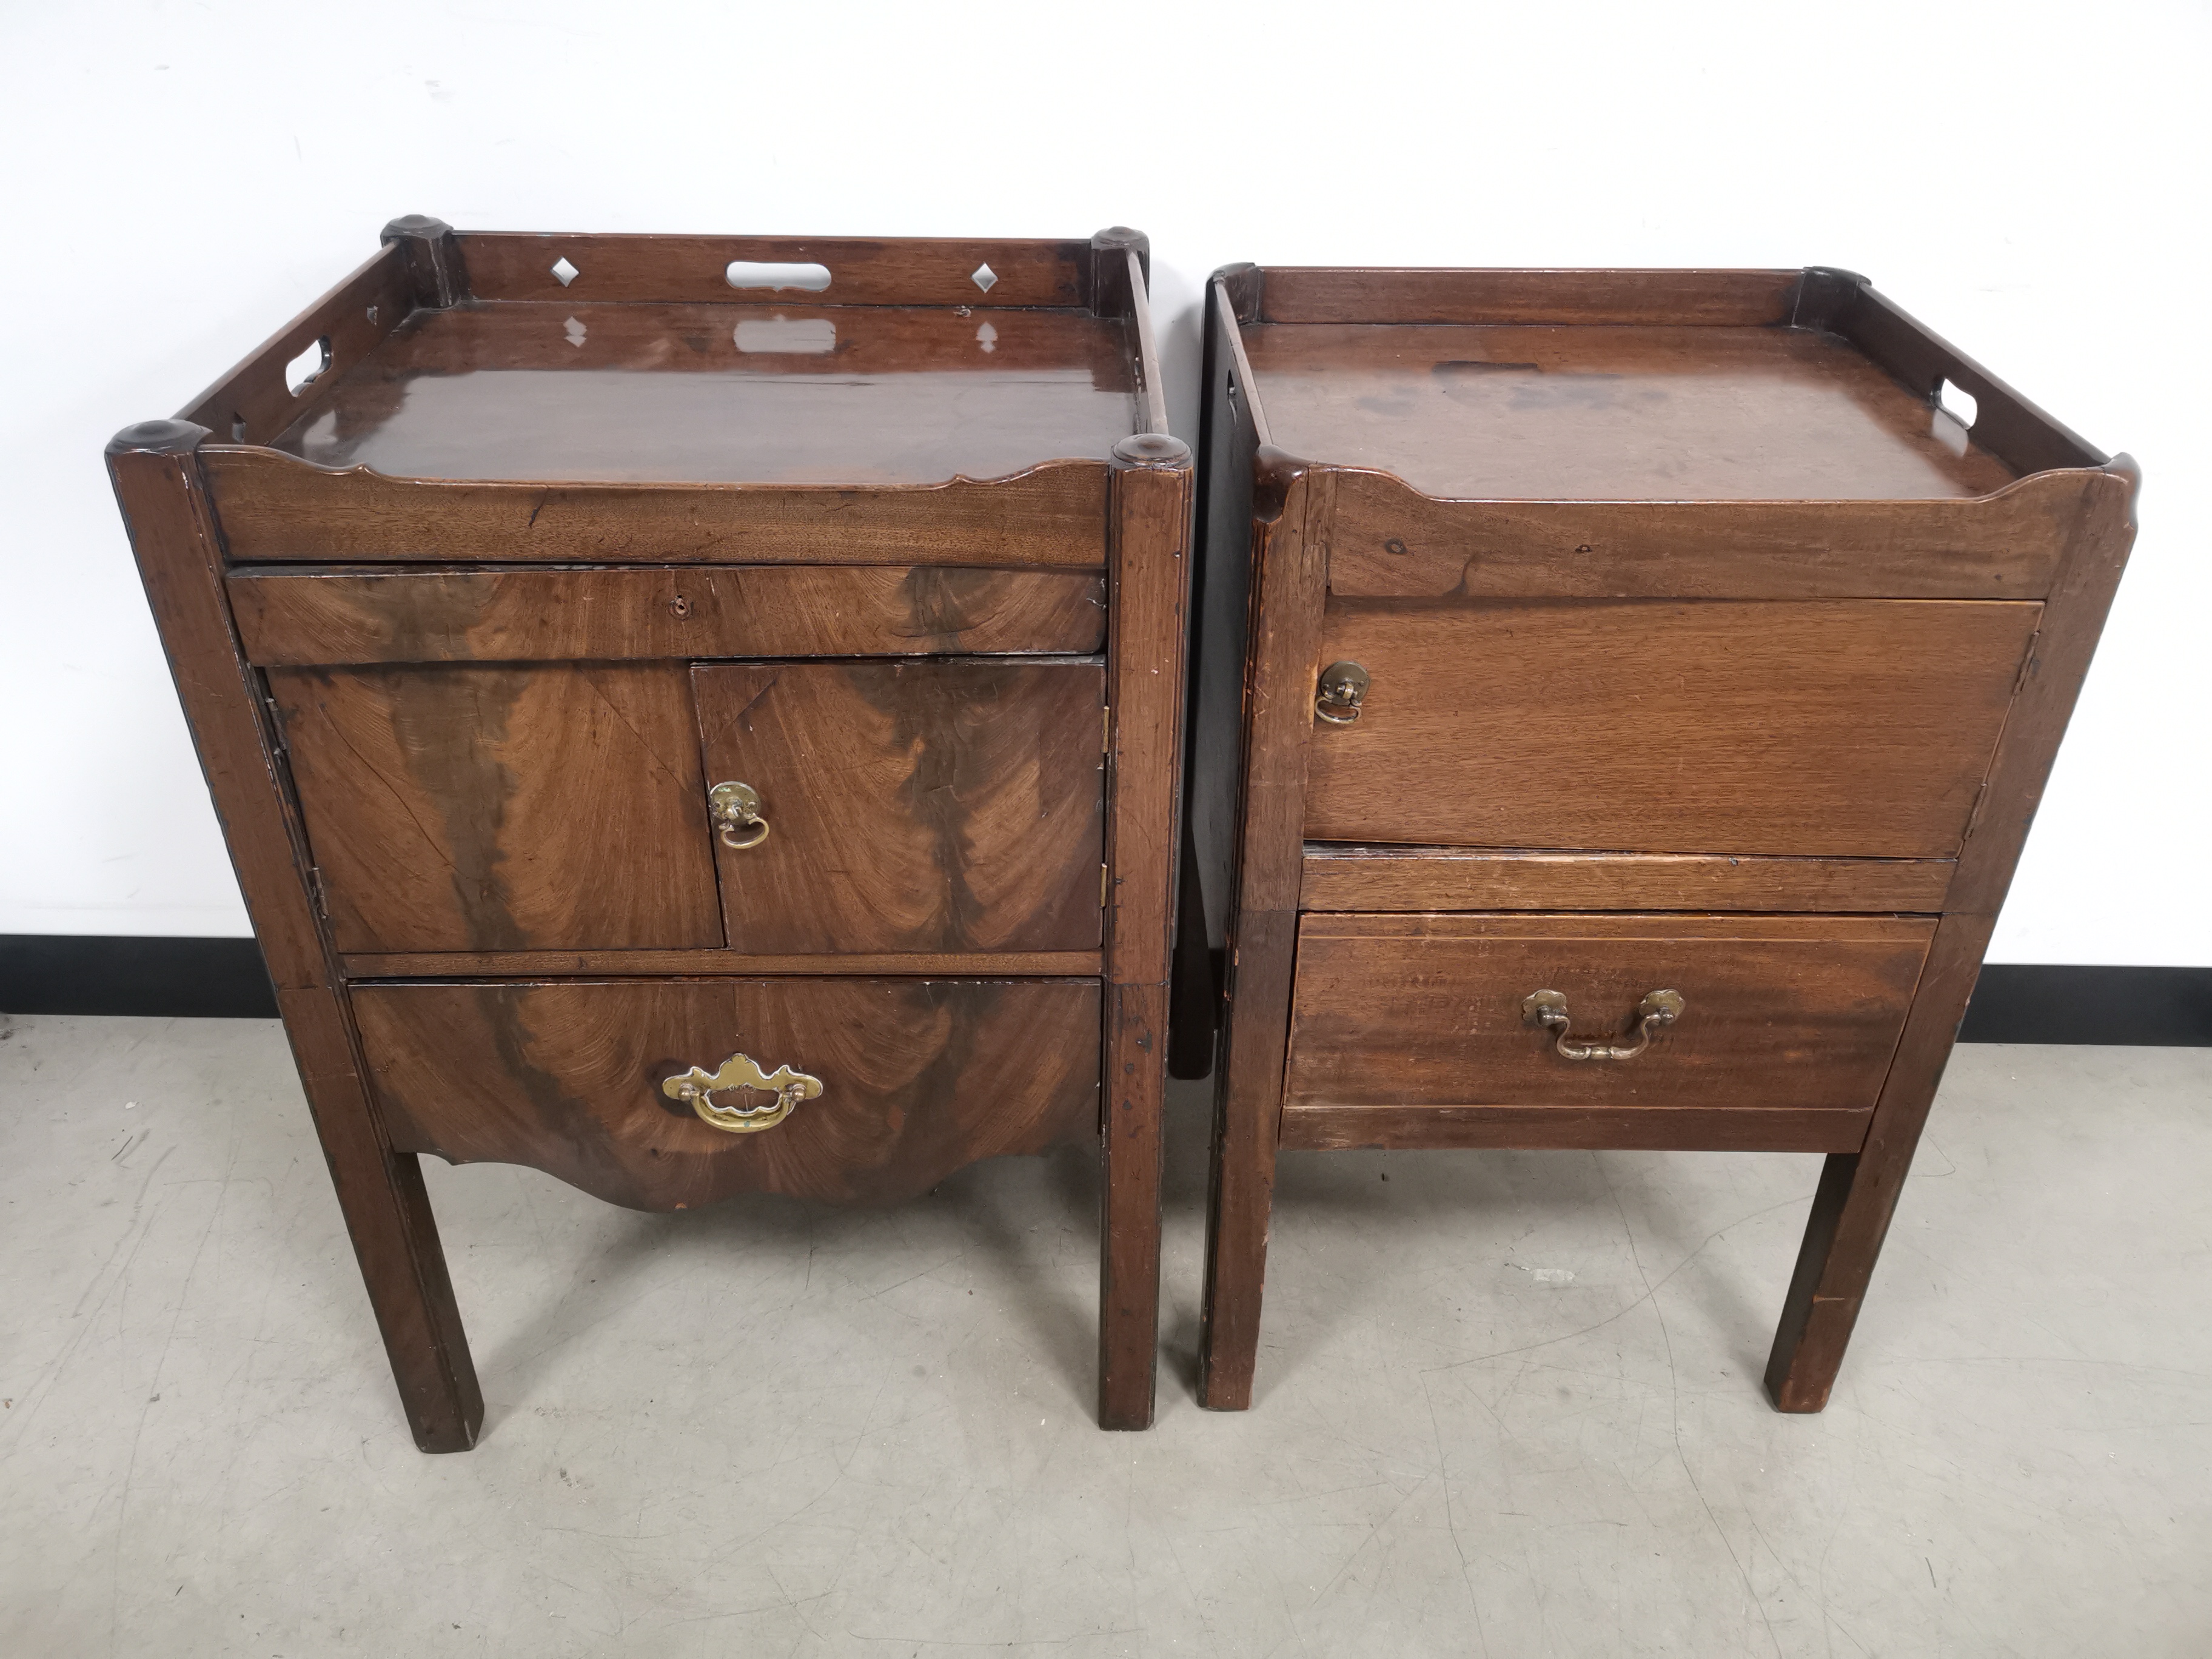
(916, 1079)
(1417, 1029)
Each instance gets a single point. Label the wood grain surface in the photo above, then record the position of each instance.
(1620, 413)
(276, 506)
(920, 1077)
(465, 808)
(300, 617)
(1840, 728)
(662, 964)
(1352, 877)
(1798, 1011)
(1322, 294)
(912, 806)
(1390, 540)
(733, 393)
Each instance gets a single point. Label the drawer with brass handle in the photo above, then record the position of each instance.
(670, 1094)
(1452, 1025)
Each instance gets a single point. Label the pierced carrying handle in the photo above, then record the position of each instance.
(1549, 1009)
(736, 809)
(699, 1087)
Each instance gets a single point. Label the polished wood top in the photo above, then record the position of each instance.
(732, 393)
(1609, 413)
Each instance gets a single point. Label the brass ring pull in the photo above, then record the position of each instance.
(735, 809)
(742, 1071)
(1343, 688)
(1549, 1009)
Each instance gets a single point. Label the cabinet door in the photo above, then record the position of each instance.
(465, 808)
(910, 806)
(1853, 728)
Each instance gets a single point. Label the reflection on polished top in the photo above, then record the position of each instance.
(728, 394)
(1609, 413)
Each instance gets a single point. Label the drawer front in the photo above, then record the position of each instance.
(503, 808)
(917, 1077)
(313, 617)
(910, 806)
(1856, 728)
(1777, 1012)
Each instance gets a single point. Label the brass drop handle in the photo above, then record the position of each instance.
(1549, 1009)
(699, 1087)
(735, 809)
(1343, 688)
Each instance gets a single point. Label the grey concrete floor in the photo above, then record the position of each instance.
(1509, 1403)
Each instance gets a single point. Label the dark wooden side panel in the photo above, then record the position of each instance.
(503, 809)
(1796, 1011)
(879, 271)
(1725, 298)
(1852, 728)
(159, 487)
(276, 507)
(1348, 877)
(1220, 602)
(919, 1076)
(911, 806)
(1390, 540)
(301, 617)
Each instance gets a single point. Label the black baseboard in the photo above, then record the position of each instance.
(2031, 1002)
(224, 978)
(94, 974)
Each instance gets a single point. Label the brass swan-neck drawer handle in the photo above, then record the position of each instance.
(699, 1087)
(1343, 688)
(1549, 1009)
(735, 809)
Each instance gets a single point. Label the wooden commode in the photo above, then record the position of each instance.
(697, 715)
(1619, 700)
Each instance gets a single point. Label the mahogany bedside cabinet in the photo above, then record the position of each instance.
(697, 715)
(1620, 700)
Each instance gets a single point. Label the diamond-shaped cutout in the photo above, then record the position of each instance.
(984, 277)
(563, 272)
(575, 331)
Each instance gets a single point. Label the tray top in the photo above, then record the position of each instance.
(1608, 413)
(741, 393)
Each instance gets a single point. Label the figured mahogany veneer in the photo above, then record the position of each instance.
(566, 531)
(295, 617)
(1675, 595)
(913, 806)
(919, 1077)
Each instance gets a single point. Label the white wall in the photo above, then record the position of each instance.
(181, 179)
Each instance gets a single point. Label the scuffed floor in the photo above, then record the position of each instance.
(1509, 1403)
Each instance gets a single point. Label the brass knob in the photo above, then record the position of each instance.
(1343, 689)
(1549, 1009)
(735, 809)
(699, 1087)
